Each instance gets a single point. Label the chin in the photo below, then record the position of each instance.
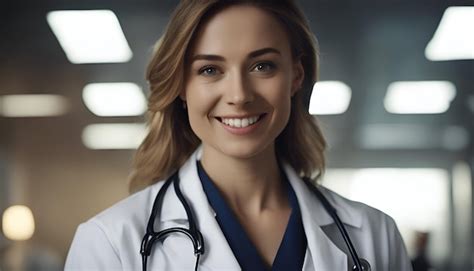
(243, 150)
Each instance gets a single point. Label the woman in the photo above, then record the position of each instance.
(226, 112)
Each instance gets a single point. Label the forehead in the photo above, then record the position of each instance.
(240, 28)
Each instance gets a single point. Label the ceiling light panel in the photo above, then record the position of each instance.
(113, 136)
(329, 98)
(419, 97)
(90, 36)
(33, 105)
(453, 38)
(114, 99)
(404, 136)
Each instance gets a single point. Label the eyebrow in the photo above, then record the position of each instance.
(253, 54)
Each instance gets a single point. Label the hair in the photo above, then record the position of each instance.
(171, 141)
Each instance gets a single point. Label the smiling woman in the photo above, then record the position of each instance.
(228, 128)
(237, 84)
(176, 59)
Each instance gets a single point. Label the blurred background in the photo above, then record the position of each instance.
(395, 101)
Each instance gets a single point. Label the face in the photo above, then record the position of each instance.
(239, 82)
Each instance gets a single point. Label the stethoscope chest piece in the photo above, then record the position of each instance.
(364, 264)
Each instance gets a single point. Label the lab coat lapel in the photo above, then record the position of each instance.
(322, 253)
(218, 254)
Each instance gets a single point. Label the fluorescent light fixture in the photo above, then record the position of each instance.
(399, 136)
(18, 223)
(114, 99)
(33, 105)
(403, 136)
(90, 36)
(329, 98)
(113, 136)
(453, 38)
(419, 97)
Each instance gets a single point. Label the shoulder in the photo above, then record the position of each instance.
(374, 231)
(128, 216)
(134, 207)
(98, 243)
(358, 212)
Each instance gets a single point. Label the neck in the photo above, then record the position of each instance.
(249, 185)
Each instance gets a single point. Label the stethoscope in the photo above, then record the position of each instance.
(193, 233)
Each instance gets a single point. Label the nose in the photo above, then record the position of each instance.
(239, 90)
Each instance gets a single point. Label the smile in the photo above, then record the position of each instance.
(240, 122)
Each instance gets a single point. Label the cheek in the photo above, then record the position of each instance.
(200, 103)
(278, 94)
(197, 98)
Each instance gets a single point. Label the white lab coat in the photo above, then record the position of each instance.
(111, 240)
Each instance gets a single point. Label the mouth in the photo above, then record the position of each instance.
(239, 122)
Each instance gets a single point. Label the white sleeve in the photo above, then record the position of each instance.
(91, 250)
(399, 259)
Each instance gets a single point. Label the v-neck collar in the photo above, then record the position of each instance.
(292, 249)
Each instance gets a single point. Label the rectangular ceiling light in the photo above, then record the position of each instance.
(90, 36)
(454, 38)
(329, 98)
(114, 99)
(113, 136)
(33, 105)
(404, 136)
(401, 136)
(419, 97)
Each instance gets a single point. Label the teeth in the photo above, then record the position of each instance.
(237, 123)
(240, 123)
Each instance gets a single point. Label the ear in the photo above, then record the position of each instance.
(298, 77)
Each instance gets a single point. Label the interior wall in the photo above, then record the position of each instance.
(62, 182)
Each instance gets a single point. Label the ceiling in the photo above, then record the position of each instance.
(367, 45)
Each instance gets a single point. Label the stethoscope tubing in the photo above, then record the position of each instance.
(333, 213)
(197, 239)
(151, 236)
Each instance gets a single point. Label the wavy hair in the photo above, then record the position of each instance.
(171, 141)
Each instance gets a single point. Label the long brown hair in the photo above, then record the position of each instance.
(171, 141)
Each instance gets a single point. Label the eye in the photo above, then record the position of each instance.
(264, 67)
(208, 71)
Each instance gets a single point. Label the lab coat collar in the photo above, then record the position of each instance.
(325, 255)
(347, 213)
(192, 189)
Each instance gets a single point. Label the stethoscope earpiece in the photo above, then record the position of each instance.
(364, 264)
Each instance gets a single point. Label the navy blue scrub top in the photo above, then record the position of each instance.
(292, 250)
